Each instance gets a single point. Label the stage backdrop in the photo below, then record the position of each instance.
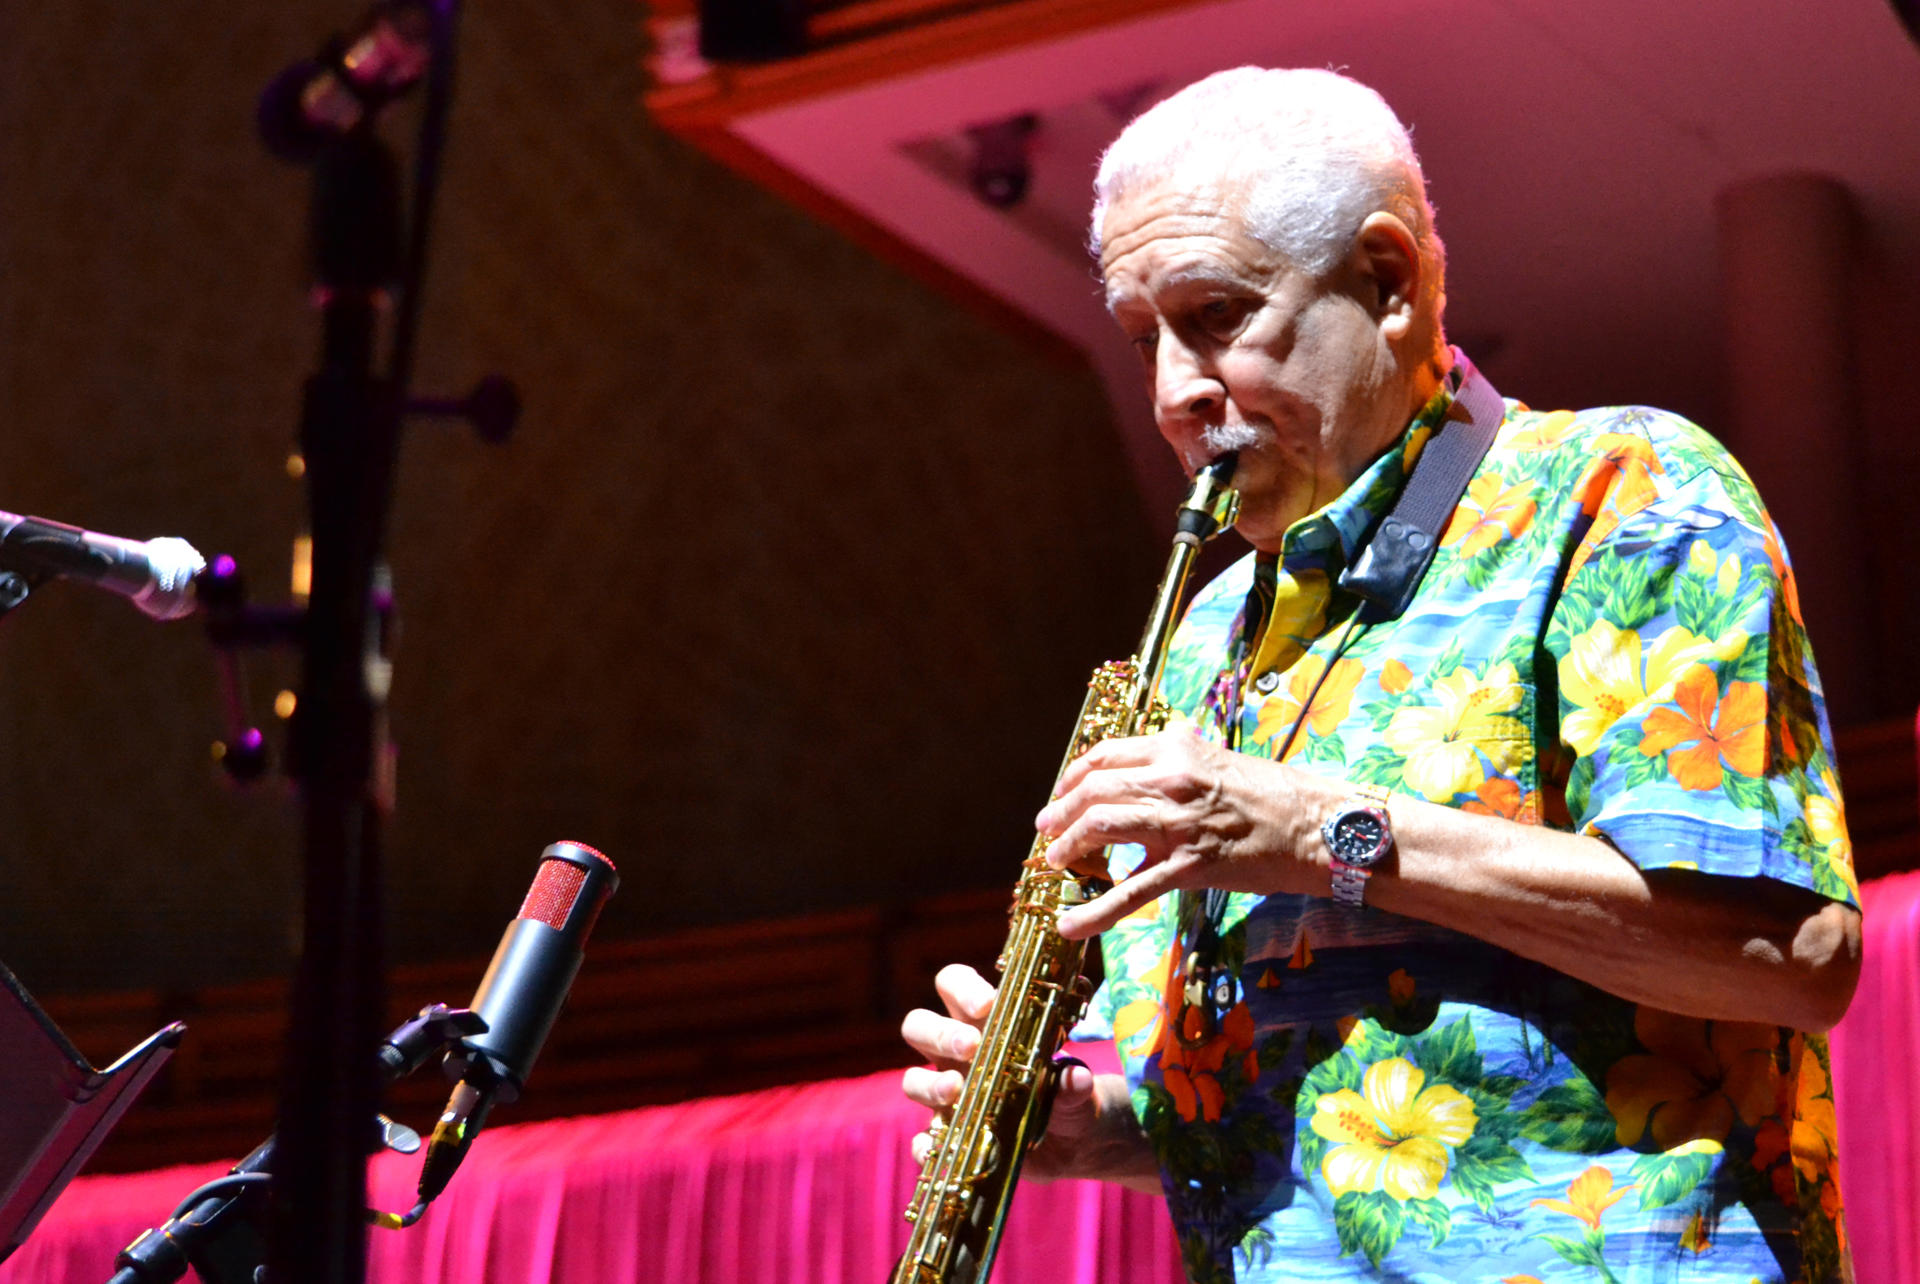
(798, 1183)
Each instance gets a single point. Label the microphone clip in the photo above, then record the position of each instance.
(435, 1029)
(15, 587)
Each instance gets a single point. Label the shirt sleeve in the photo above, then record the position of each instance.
(1687, 693)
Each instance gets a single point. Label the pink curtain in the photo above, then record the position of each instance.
(807, 1182)
(1876, 1088)
(793, 1183)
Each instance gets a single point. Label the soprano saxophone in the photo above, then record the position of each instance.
(966, 1183)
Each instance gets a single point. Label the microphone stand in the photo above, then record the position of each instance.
(349, 438)
(365, 256)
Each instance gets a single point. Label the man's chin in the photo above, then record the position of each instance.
(1265, 517)
(1265, 542)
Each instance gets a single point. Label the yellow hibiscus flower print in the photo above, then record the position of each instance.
(1489, 512)
(1442, 744)
(1693, 1079)
(1394, 1133)
(1604, 674)
(1827, 823)
(1825, 819)
(1328, 709)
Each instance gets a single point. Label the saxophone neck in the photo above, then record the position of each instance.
(1209, 508)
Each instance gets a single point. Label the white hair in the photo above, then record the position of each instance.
(1315, 151)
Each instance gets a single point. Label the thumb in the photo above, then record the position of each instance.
(1073, 1105)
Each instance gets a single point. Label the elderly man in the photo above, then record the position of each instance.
(1487, 940)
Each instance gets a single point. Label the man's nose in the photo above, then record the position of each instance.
(1184, 387)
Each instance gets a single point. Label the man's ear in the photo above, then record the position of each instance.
(1386, 260)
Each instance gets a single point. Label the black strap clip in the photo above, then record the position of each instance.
(1389, 568)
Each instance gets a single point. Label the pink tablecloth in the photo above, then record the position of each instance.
(801, 1183)
(808, 1182)
(1876, 1089)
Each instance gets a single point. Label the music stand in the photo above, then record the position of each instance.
(58, 1107)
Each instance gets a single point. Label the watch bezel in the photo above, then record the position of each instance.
(1337, 843)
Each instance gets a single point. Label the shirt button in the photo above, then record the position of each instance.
(1267, 682)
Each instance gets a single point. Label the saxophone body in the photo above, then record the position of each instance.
(966, 1183)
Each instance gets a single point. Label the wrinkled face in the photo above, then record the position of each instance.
(1241, 349)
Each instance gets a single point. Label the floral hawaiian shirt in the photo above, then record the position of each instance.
(1608, 640)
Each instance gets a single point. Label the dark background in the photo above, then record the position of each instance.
(782, 596)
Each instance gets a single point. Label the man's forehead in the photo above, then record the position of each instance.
(1169, 238)
(1190, 269)
(1166, 201)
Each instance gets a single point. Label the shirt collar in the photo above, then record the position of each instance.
(1330, 536)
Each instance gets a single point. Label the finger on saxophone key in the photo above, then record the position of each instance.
(968, 995)
(947, 1042)
(934, 1089)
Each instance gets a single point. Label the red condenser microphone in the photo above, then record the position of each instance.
(520, 996)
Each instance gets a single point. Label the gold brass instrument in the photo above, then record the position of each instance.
(966, 1182)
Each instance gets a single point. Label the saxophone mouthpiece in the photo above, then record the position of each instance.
(1212, 504)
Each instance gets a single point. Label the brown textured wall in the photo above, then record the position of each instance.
(782, 595)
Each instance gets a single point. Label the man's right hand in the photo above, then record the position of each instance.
(1091, 1132)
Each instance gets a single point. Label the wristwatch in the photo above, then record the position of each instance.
(1358, 837)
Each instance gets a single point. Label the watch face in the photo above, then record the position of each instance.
(1357, 837)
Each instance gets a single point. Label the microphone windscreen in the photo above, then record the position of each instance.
(554, 890)
(573, 878)
(169, 594)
